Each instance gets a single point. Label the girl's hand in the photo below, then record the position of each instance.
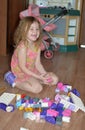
(46, 78)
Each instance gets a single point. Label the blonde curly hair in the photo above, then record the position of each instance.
(22, 30)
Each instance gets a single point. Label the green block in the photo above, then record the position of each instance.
(59, 120)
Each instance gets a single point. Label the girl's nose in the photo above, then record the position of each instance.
(34, 31)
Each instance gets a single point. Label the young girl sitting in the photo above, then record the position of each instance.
(25, 63)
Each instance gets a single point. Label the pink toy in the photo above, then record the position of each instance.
(57, 98)
(48, 101)
(52, 112)
(33, 10)
(60, 85)
(67, 112)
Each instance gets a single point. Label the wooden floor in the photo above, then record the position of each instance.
(70, 68)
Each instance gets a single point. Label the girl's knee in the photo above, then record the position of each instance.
(38, 89)
(55, 79)
(30, 87)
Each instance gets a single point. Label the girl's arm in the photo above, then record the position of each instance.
(39, 65)
(48, 76)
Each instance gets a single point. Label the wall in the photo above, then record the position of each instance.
(3, 27)
(9, 17)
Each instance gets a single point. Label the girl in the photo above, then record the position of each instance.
(25, 63)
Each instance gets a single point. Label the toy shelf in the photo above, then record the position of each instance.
(67, 31)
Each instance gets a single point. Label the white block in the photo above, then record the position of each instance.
(66, 119)
(77, 101)
(23, 128)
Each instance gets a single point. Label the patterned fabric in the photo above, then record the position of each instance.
(31, 57)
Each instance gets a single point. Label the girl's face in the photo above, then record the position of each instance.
(34, 32)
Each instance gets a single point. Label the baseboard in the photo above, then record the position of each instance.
(68, 48)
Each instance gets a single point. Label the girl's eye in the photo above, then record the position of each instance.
(31, 28)
(37, 29)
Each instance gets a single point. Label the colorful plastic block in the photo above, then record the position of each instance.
(59, 120)
(67, 112)
(50, 119)
(52, 112)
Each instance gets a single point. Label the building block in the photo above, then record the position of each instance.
(59, 120)
(66, 112)
(52, 112)
(69, 105)
(50, 119)
(22, 128)
(53, 106)
(66, 119)
(29, 115)
(75, 91)
(43, 113)
(77, 101)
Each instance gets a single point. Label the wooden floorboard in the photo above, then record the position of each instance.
(70, 68)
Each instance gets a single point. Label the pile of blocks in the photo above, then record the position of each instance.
(53, 111)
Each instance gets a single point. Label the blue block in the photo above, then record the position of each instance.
(60, 112)
(18, 103)
(60, 106)
(36, 100)
(75, 91)
(53, 106)
(43, 112)
(30, 100)
(26, 97)
(50, 119)
(22, 100)
(71, 100)
(36, 105)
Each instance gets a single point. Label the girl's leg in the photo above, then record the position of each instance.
(32, 85)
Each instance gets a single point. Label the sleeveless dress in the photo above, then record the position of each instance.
(30, 63)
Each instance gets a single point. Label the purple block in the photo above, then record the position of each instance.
(60, 106)
(75, 91)
(53, 106)
(43, 112)
(50, 119)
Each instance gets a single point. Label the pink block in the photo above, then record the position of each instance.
(50, 103)
(52, 112)
(60, 85)
(46, 99)
(57, 98)
(67, 112)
